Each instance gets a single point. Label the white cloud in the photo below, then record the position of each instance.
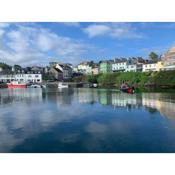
(97, 30)
(4, 25)
(33, 45)
(2, 28)
(1, 32)
(114, 30)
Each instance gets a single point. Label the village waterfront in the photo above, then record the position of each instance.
(119, 105)
(86, 120)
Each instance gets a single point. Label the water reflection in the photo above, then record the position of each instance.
(85, 120)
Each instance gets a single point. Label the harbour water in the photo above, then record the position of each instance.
(86, 121)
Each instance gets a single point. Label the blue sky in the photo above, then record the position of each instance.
(73, 42)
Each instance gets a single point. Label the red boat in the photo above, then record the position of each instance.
(16, 84)
(125, 88)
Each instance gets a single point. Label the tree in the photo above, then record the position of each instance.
(17, 67)
(5, 66)
(153, 56)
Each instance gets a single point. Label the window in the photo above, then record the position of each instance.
(36, 75)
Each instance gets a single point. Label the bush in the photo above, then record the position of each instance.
(138, 79)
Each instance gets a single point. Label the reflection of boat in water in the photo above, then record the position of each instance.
(127, 89)
(16, 84)
(37, 86)
(62, 85)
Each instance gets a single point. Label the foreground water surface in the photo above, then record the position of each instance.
(86, 120)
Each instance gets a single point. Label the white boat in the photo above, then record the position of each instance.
(95, 85)
(35, 86)
(62, 85)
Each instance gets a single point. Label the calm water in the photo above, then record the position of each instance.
(86, 120)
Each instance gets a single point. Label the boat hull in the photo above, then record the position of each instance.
(128, 90)
(16, 85)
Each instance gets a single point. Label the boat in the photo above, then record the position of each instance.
(127, 89)
(43, 86)
(95, 85)
(62, 85)
(35, 86)
(16, 84)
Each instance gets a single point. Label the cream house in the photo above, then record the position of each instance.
(168, 59)
(159, 66)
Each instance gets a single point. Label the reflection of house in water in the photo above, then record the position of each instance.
(162, 102)
(126, 100)
(87, 95)
(21, 95)
(152, 101)
(105, 97)
(59, 96)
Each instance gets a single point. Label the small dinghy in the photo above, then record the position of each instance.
(127, 89)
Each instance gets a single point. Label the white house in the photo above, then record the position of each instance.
(149, 67)
(133, 68)
(22, 77)
(119, 65)
(85, 67)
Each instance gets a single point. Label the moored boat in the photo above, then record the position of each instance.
(35, 86)
(127, 89)
(62, 85)
(16, 84)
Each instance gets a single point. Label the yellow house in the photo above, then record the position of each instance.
(159, 66)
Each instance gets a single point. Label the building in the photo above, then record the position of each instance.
(95, 70)
(37, 69)
(85, 67)
(168, 59)
(134, 64)
(131, 68)
(22, 77)
(159, 66)
(149, 66)
(55, 74)
(106, 66)
(60, 71)
(75, 69)
(119, 65)
(66, 70)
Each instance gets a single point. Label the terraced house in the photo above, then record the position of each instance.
(119, 65)
(134, 64)
(106, 66)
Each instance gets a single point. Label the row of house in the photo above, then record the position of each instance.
(135, 64)
(34, 74)
(28, 77)
(65, 71)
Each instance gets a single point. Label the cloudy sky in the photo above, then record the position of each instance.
(40, 43)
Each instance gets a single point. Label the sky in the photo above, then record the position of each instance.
(73, 42)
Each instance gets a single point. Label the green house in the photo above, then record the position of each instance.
(105, 67)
